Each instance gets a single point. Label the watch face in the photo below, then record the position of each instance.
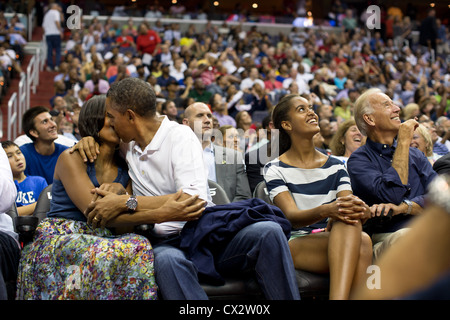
(132, 203)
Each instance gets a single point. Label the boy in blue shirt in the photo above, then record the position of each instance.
(28, 187)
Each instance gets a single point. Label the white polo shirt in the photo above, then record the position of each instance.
(49, 25)
(173, 160)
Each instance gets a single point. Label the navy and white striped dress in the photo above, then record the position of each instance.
(310, 188)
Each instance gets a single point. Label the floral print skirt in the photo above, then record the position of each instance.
(70, 260)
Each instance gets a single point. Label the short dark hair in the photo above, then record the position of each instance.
(265, 122)
(28, 119)
(92, 117)
(135, 94)
(9, 143)
(165, 104)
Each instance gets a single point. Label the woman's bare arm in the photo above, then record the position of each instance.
(346, 208)
(71, 171)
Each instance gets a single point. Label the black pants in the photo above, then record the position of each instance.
(9, 263)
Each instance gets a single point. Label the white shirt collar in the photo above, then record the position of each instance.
(159, 137)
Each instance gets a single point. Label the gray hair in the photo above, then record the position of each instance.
(362, 107)
(441, 120)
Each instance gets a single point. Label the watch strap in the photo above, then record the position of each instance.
(410, 204)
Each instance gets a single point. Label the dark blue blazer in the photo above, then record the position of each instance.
(204, 239)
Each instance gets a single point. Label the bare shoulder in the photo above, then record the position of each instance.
(72, 157)
(69, 162)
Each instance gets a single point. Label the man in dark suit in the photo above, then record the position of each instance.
(261, 153)
(224, 165)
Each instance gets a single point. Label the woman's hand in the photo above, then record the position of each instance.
(107, 207)
(113, 187)
(349, 209)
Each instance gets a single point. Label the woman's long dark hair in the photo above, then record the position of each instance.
(280, 114)
(92, 117)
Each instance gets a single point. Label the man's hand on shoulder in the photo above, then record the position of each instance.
(87, 148)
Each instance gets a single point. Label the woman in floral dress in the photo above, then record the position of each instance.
(68, 258)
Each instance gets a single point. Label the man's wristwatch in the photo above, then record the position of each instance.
(132, 204)
(410, 204)
(439, 192)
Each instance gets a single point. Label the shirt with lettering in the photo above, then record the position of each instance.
(28, 190)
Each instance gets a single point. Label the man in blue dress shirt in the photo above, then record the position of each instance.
(385, 172)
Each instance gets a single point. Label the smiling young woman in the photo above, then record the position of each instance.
(313, 190)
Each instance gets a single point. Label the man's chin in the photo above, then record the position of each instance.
(52, 137)
(206, 135)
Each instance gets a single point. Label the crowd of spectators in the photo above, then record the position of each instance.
(236, 71)
(12, 43)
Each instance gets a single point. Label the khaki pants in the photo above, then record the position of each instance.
(382, 241)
